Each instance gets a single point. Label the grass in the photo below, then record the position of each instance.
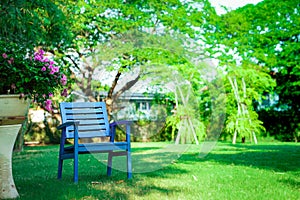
(242, 171)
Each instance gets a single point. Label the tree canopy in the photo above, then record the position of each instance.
(257, 48)
(266, 37)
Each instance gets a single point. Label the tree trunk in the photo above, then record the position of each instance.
(111, 97)
(235, 133)
(254, 137)
(86, 87)
(237, 98)
(193, 130)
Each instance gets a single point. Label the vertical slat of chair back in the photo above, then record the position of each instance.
(92, 117)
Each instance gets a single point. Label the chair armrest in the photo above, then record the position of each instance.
(66, 124)
(120, 123)
(113, 129)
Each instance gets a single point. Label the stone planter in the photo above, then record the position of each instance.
(12, 109)
(12, 115)
(8, 134)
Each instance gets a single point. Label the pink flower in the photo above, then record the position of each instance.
(4, 55)
(37, 56)
(43, 69)
(42, 52)
(64, 93)
(48, 105)
(63, 80)
(54, 70)
(11, 60)
(51, 68)
(50, 95)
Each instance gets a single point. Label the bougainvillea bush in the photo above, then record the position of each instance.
(31, 74)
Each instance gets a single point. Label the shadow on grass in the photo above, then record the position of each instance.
(279, 158)
(292, 183)
(35, 172)
(87, 188)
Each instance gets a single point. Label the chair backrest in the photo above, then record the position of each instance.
(92, 118)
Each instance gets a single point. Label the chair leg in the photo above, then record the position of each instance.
(109, 164)
(60, 165)
(129, 167)
(75, 168)
(60, 160)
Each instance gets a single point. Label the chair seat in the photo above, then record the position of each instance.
(97, 147)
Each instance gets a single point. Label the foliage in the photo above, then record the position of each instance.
(183, 120)
(33, 23)
(95, 23)
(264, 41)
(45, 131)
(30, 74)
(145, 32)
(280, 124)
(255, 43)
(249, 84)
(27, 26)
(247, 124)
(173, 122)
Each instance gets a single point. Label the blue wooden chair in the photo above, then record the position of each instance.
(89, 120)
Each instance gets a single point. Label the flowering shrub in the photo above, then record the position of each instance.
(30, 74)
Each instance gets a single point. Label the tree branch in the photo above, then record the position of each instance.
(127, 86)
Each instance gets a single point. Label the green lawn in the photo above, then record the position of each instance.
(242, 171)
